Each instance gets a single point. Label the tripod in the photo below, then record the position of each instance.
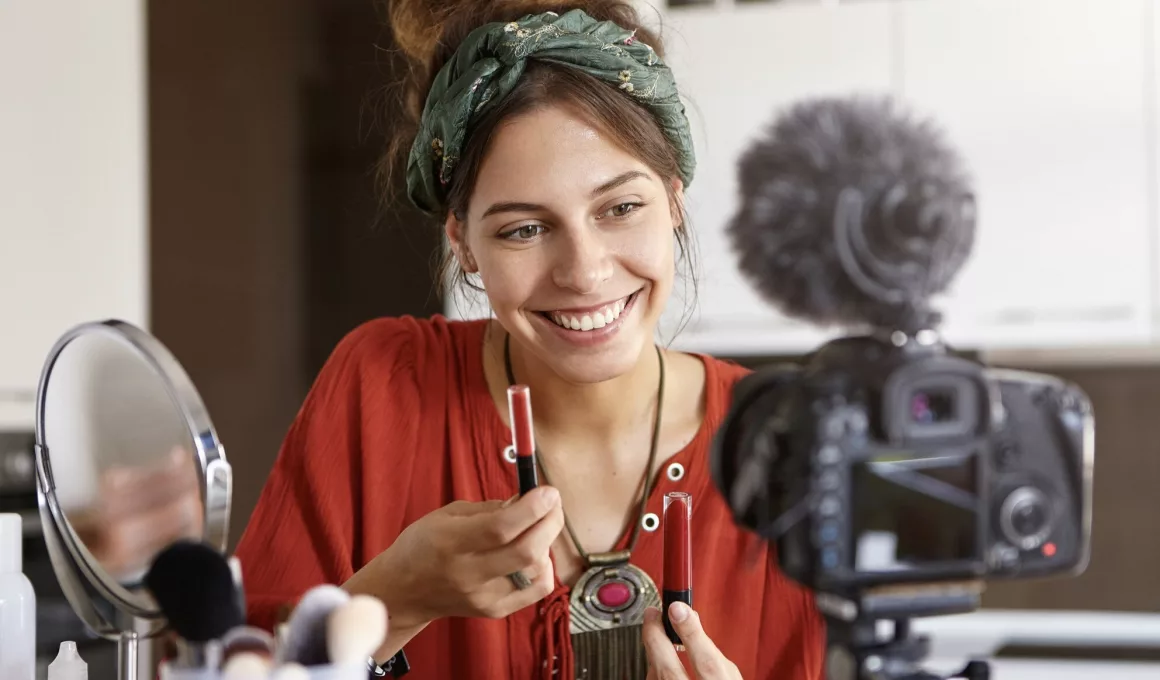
(856, 651)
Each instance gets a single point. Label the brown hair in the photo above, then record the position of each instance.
(428, 33)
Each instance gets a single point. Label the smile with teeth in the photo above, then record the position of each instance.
(590, 320)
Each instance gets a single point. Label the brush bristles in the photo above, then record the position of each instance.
(356, 629)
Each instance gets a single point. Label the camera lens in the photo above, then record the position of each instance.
(1025, 517)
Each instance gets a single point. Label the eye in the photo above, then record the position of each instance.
(623, 209)
(524, 232)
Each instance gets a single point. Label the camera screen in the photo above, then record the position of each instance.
(909, 512)
(928, 407)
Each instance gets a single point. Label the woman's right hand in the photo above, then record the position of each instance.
(456, 561)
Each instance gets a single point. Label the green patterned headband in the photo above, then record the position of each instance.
(489, 63)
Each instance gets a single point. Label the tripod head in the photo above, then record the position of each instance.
(856, 651)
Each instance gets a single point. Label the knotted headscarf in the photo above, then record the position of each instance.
(489, 64)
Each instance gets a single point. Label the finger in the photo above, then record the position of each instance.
(533, 545)
(543, 578)
(132, 542)
(469, 509)
(129, 491)
(708, 661)
(663, 662)
(486, 531)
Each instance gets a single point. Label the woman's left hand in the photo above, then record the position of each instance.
(664, 664)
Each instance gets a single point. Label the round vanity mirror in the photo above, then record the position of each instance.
(127, 462)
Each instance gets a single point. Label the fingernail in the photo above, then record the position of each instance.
(551, 494)
(679, 611)
(652, 614)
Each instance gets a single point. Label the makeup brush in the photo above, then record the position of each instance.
(356, 630)
(306, 633)
(247, 640)
(194, 587)
(246, 666)
(239, 584)
(290, 671)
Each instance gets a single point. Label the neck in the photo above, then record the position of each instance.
(597, 413)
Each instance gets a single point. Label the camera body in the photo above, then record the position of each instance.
(884, 459)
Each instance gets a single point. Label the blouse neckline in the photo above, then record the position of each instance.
(690, 464)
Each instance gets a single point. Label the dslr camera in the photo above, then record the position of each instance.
(886, 460)
(884, 457)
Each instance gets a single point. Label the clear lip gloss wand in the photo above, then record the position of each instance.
(520, 412)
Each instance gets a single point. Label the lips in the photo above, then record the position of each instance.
(590, 320)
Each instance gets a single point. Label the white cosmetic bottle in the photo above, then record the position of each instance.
(17, 605)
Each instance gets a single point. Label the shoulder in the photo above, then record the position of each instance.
(723, 372)
(721, 376)
(401, 343)
(387, 358)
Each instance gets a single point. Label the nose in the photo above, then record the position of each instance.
(583, 261)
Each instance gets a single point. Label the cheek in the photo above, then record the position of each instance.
(649, 252)
(508, 281)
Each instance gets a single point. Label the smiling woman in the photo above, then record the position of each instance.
(548, 142)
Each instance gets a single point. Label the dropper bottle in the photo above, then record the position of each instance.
(68, 664)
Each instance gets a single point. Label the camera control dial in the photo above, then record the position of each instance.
(1025, 517)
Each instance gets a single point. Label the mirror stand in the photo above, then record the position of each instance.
(127, 656)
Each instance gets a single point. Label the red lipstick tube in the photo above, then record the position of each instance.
(520, 413)
(678, 581)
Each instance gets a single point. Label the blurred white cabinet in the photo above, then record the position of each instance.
(737, 67)
(73, 181)
(1049, 102)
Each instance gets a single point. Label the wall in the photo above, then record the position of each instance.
(225, 98)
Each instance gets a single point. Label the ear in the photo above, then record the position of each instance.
(454, 229)
(678, 210)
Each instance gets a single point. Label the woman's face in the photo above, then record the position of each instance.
(573, 240)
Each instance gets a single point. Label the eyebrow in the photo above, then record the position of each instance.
(623, 178)
(515, 206)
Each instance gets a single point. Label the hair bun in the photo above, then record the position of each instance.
(429, 31)
(418, 24)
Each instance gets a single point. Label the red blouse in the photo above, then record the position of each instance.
(399, 423)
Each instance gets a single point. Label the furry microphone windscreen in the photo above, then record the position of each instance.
(853, 213)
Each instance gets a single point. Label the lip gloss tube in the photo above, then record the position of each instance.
(678, 582)
(520, 413)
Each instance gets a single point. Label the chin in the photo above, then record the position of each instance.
(583, 370)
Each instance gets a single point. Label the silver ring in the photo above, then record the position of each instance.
(519, 580)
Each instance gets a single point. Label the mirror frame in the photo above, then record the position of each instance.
(96, 597)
